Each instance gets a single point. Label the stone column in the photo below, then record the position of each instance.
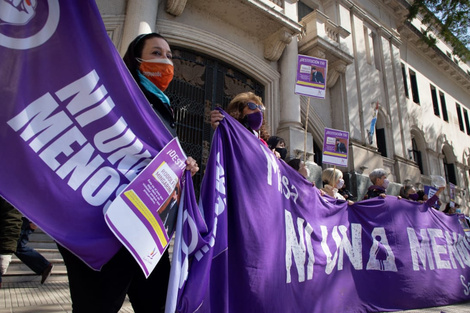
(141, 17)
(290, 126)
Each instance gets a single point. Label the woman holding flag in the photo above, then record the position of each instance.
(149, 60)
(247, 108)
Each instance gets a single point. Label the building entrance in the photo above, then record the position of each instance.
(200, 84)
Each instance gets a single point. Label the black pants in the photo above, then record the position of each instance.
(104, 291)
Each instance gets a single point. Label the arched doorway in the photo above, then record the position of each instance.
(200, 84)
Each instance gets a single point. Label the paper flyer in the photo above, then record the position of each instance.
(143, 215)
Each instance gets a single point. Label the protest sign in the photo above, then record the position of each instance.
(311, 76)
(335, 147)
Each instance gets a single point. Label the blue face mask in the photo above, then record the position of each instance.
(254, 120)
(413, 196)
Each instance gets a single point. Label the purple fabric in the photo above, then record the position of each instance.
(74, 126)
(279, 246)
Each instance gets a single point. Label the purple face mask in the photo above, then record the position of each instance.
(413, 196)
(254, 120)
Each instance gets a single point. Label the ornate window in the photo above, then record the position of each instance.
(200, 84)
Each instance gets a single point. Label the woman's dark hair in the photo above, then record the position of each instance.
(295, 164)
(239, 102)
(134, 51)
(421, 194)
(447, 208)
(273, 141)
(405, 190)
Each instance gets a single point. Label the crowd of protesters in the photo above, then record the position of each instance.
(149, 61)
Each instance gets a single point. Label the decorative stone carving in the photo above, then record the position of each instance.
(189, 72)
(274, 45)
(114, 26)
(175, 7)
(335, 69)
(317, 53)
(235, 86)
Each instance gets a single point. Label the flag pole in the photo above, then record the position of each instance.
(305, 134)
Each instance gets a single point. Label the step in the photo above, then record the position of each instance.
(32, 277)
(18, 266)
(19, 272)
(46, 246)
(47, 253)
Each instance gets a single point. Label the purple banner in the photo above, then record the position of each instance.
(74, 126)
(271, 243)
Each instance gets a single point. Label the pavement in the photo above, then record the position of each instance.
(32, 297)
(54, 297)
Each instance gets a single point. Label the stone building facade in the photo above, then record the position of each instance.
(223, 47)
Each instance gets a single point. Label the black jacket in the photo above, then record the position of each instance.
(163, 110)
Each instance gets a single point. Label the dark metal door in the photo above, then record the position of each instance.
(200, 84)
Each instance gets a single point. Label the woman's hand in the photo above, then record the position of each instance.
(216, 117)
(438, 192)
(191, 165)
(277, 154)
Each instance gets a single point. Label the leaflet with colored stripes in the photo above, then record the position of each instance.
(143, 216)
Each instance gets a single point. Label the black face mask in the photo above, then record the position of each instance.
(282, 152)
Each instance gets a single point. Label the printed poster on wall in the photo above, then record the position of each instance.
(143, 216)
(311, 76)
(335, 147)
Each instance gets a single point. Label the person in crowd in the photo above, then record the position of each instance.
(277, 144)
(247, 108)
(149, 60)
(29, 256)
(422, 196)
(409, 192)
(346, 193)
(10, 228)
(299, 166)
(450, 209)
(332, 179)
(379, 180)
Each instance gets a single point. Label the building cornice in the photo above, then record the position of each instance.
(435, 55)
(278, 27)
(324, 39)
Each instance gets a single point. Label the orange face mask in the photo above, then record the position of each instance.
(158, 71)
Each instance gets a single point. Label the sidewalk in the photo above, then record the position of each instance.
(54, 297)
(32, 297)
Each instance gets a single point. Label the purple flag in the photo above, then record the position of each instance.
(273, 244)
(74, 126)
